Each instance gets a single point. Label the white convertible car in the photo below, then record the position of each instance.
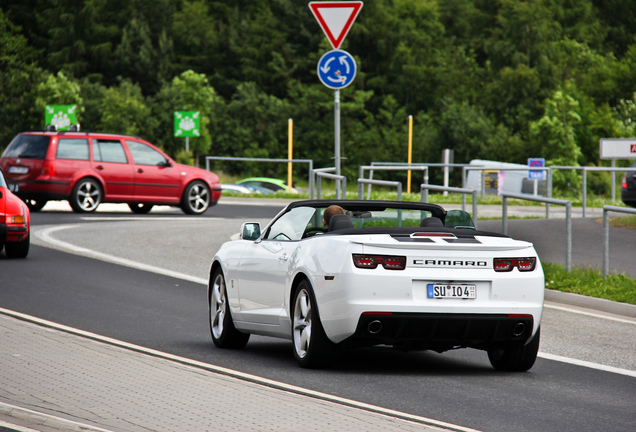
(409, 275)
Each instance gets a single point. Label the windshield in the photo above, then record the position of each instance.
(28, 146)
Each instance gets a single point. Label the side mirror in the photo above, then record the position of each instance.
(458, 219)
(250, 231)
(165, 163)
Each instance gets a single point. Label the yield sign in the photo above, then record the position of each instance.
(336, 18)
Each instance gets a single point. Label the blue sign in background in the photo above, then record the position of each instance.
(337, 69)
(538, 163)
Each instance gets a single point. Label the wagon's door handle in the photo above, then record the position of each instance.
(99, 167)
(283, 257)
(139, 170)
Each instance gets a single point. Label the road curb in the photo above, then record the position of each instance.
(617, 308)
(40, 419)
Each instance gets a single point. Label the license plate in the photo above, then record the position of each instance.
(18, 170)
(452, 291)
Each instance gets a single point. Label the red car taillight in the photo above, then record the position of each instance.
(624, 185)
(507, 264)
(386, 261)
(15, 220)
(48, 168)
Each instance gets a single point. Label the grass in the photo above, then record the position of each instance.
(624, 222)
(589, 282)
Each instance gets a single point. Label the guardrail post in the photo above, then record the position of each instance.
(568, 221)
(475, 206)
(584, 203)
(605, 242)
(504, 214)
(549, 193)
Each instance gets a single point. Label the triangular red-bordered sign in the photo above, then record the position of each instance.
(336, 18)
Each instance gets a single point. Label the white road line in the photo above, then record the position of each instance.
(588, 364)
(145, 219)
(591, 314)
(45, 235)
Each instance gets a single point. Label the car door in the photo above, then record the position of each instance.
(112, 165)
(156, 178)
(266, 266)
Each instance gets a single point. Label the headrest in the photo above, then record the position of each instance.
(431, 222)
(340, 221)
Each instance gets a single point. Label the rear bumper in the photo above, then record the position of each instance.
(628, 196)
(440, 332)
(9, 233)
(42, 190)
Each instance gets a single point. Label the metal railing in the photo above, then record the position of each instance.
(464, 191)
(584, 185)
(326, 173)
(606, 210)
(244, 159)
(406, 167)
(362, 181)
(568, 219)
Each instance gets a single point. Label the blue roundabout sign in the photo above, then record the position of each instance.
(337, 69)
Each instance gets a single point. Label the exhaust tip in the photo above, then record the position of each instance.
(374, 327)
(518, 329)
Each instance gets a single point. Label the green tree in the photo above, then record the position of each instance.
(124, 110)
(553, 135)
(19, 76)
(58, 90)
(189, 91)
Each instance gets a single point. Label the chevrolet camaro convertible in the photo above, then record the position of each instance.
(409, 275)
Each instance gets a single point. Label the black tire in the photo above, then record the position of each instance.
(35, 205)
(312, 348)
(196, 198)
(87, 196)
(139, 208)
(516, 358)
(18, 249)
(224, 334)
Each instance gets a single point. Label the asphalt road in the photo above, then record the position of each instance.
(170, 314)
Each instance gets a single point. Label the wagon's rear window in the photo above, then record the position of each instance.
(28, 147)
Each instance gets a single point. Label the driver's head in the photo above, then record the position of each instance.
(329, 212)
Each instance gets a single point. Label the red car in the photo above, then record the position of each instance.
(14, 223)
(87, 169)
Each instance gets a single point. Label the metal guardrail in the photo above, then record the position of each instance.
(398, 167)
(323, 173)
(362, 181)
(606, 210)
(585, 170)
(464, 191)
(568, 219)
(244, 159)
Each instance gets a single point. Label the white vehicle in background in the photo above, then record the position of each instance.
(408, 275)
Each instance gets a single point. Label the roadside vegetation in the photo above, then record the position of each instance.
(589, 282)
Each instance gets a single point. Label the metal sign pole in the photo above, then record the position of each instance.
(337, 138)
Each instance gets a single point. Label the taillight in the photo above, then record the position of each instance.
(386, 261)
(13, 220)
(507, 264)
(624, 182)
(48, 168)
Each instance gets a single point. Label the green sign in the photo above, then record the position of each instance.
(62, 116)
(187, 124)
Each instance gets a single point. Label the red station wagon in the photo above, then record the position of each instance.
(88, 168)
